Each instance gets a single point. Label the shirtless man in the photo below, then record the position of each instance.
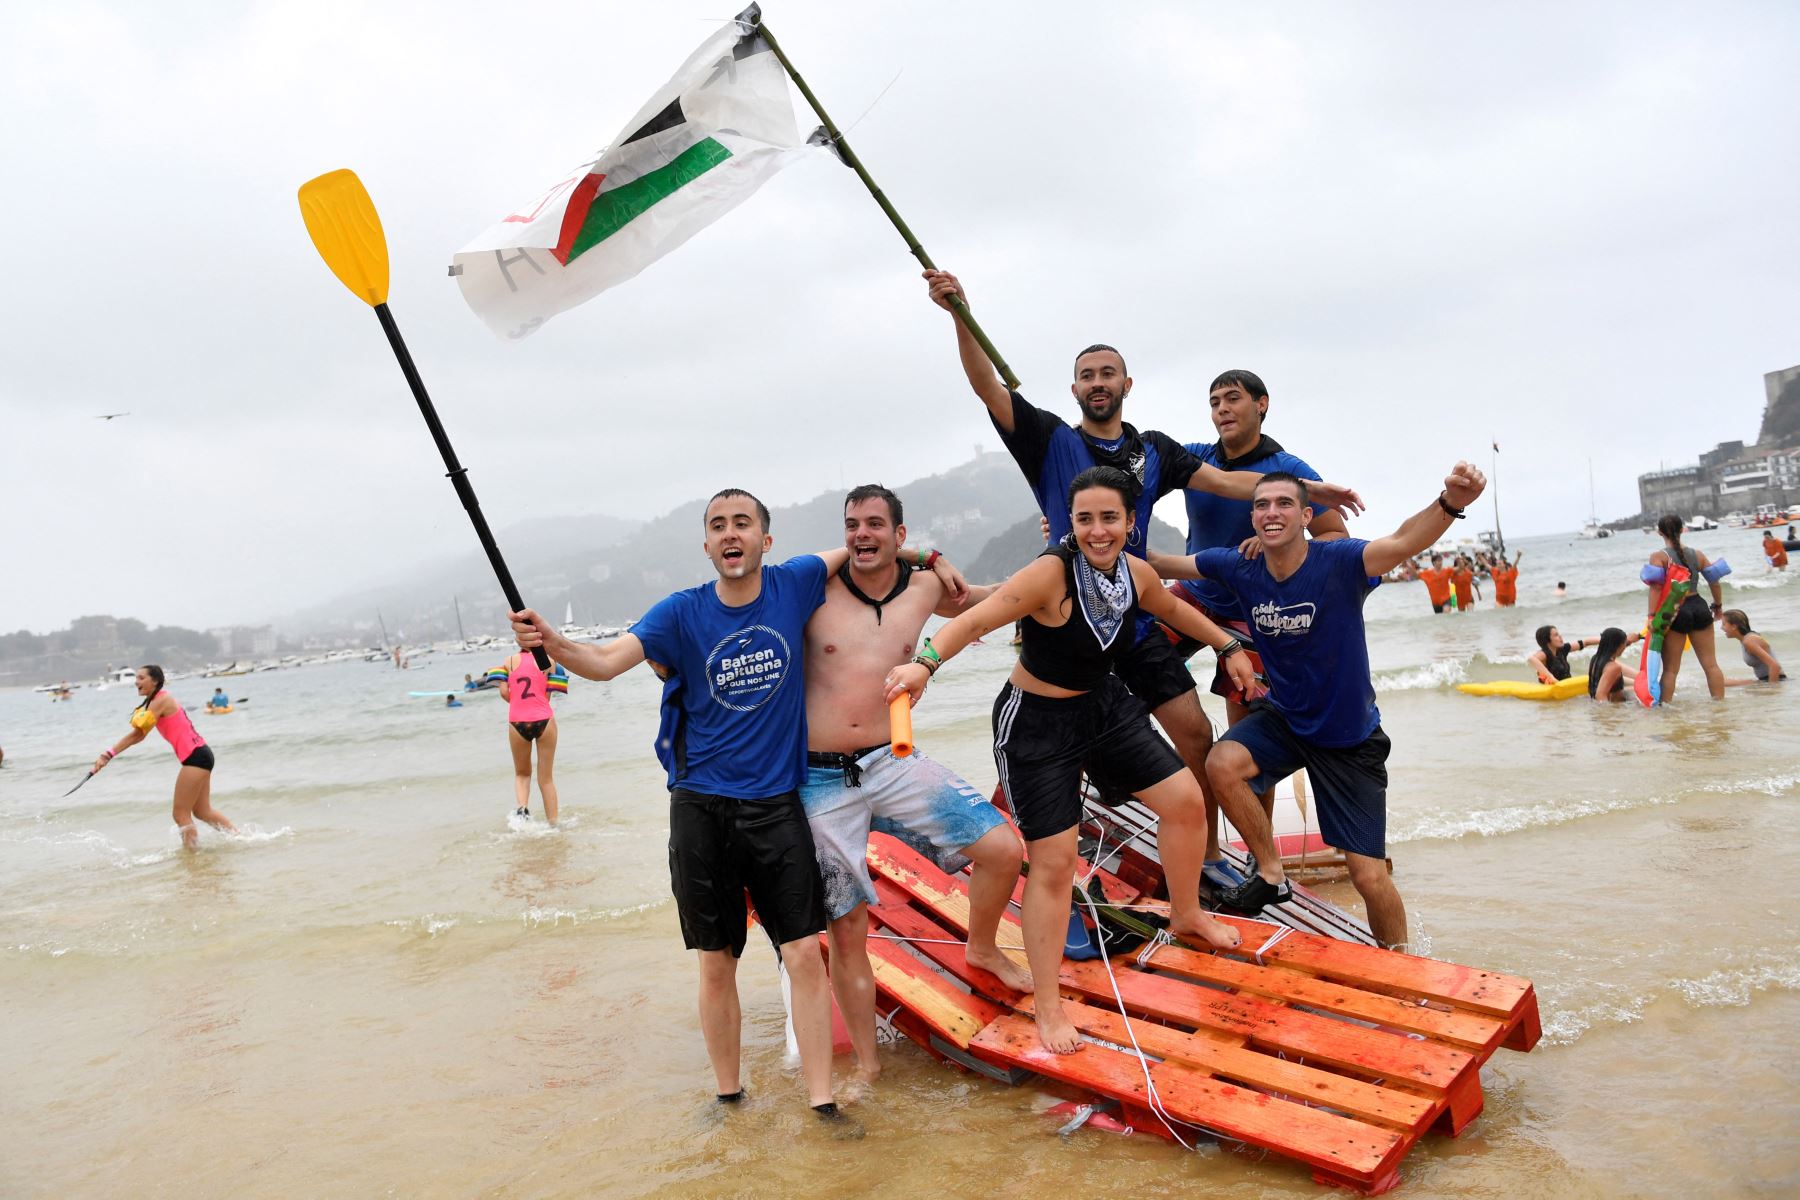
(875, 608)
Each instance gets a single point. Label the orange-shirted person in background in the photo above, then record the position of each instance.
(1437, 583)
(1464, 579)
(1774, 551)
(1506, 581)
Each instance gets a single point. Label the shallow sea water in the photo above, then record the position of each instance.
(384, 989)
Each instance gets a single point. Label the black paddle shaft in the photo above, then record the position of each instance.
(459, 474)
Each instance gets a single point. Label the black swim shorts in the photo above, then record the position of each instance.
(1154, 671)
(1042, 745)
(1349, 784)
(718, 847)
(202, 757)
(531, 731)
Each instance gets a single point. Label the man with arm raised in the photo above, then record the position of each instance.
(1051, 454)
(1304, 601)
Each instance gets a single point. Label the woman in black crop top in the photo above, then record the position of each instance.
(1063, 711)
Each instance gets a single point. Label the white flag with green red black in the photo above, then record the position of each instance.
(713, 135)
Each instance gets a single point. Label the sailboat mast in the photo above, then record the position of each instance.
(1498, 535)
(383, 624)
(460, 635)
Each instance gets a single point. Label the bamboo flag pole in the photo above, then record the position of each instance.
(912, 243)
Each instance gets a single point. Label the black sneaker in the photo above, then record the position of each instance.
(1257, 893)
(524, 814)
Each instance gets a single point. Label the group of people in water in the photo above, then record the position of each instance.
(1691, 627)
(778, 677)
(1454, 585)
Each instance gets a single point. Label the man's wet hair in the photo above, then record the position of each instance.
(1250, 381)
(762, 510)
(1099, 346)
(874, 491)
(1287, 477)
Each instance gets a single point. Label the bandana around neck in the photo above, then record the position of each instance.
(1105, 601)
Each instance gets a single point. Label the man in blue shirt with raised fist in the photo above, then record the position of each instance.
(1304, 603)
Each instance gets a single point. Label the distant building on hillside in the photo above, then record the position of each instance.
(1735, 477)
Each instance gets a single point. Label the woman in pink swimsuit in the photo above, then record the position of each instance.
(529, 719)
(193, 784)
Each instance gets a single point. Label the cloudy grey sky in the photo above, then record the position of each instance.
(1570, 227)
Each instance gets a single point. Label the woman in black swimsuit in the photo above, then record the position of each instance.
(1063, 711)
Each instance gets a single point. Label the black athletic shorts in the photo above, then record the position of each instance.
(1349, 784)
(531, 731)
(1693, 614)
(201, 757)
(718, 847)
(1438, 607)
(1042, 745)
(1153, 671)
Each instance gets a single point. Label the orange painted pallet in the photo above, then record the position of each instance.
(1334, 1054)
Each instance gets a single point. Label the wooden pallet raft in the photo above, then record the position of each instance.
(1333, 1054)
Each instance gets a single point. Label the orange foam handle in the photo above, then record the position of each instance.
(900, 725)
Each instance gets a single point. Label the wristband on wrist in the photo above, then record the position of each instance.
(1444, 503)
(931, 665)
(1228, 649)
(929, 561)
(929, 651)
(921, 553)
(108, 754)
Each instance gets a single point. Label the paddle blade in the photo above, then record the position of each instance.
(347, 232)
(77, 787)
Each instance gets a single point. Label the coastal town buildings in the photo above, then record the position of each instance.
(1732, 476)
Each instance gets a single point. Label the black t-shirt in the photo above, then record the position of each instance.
(1051, 453)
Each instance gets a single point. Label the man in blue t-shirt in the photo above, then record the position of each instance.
(1052, 453)
(1304, 604)
(734, 742)
(1238, 402)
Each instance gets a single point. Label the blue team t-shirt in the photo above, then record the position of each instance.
(1308, 628)
(1221, 522)
(734, 704)
(1051, 453)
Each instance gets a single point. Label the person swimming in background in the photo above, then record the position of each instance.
(526, 689)
(1757, 654)
(1774, 551)
(193, 783)
(1562, 589)
(450, 700)
(1551, 662)
(1608, 678)
(219, 700)
(469, 684)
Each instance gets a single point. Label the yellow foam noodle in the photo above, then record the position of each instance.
(1562, 689)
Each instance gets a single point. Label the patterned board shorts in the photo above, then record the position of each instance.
(923, 803)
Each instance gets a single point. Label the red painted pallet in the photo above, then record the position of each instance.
(1337, 1055)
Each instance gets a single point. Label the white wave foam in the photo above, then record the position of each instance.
(430, 924)
(250, 835)
(1442, 673)
(1725, 988)
(1491, 822)
(535, 916)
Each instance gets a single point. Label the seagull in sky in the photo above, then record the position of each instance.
(109, 416)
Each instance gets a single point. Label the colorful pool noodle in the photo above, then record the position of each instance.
(900, 724)
(1677, 585)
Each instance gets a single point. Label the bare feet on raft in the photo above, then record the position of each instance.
(991, 960)
(1210, 930)
(1056, 1031)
